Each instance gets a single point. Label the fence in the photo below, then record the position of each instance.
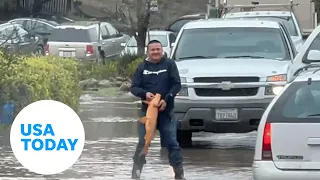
(52, 6)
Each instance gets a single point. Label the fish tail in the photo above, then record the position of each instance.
(145, 148)
(146, 102)
(153, 135)
(143, 120)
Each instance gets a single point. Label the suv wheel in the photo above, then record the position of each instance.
(101, 58)
(39, 51)
(184, 138)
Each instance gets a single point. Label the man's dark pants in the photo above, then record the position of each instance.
(167, 128)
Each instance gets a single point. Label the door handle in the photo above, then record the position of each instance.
(113, 41)
(313, 141)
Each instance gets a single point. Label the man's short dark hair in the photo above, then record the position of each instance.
(153, 42)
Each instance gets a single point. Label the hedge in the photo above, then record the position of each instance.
(28, 79)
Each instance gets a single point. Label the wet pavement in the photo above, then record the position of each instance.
(110, 126)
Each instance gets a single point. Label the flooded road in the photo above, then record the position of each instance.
(110, 143)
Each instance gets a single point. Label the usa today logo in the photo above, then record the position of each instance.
(47, 137)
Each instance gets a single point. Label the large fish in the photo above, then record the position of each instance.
(150, 121)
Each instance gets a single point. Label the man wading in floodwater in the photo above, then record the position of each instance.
(158, 74)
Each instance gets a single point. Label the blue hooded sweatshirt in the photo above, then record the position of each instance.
(162, 77)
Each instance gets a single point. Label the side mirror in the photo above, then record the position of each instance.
(120, 34)
(313, 55)
(123, 44)
(305, 36)
(172, 44)
(306, 33)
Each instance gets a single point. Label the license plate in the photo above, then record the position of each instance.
(67, 54)
(227, 114)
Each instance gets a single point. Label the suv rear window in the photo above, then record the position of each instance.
(71, 35)
(299, 102)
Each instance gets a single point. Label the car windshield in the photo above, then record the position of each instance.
(286, 21)
(232, 42)
(71, 35)
(300, 100)
(162, 38)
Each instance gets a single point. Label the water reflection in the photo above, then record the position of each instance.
(111, 140)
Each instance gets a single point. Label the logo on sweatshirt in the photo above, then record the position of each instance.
(47, 137)
(146, 72)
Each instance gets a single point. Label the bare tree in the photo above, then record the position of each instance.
(137, 13)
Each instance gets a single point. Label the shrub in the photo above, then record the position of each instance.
(29, 79)
(124, 66)
(133, 66)
(127, 59)
(98, 71)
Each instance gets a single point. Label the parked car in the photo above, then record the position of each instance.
(86, 41)
(288, 136)
(288, 19)
(181, 21)
(165, 37)
(16, 39)
(225, 68)
(309, 53)
(38, 26)
(53, 17)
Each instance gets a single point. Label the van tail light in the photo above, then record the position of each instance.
(89, 49)
(266, 143)
(46, 48)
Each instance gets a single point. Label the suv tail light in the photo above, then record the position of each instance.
(89, 49)
(46, 48)
(266, 143)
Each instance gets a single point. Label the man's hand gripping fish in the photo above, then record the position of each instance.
(150, 121)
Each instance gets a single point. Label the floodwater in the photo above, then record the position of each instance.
(110, 126)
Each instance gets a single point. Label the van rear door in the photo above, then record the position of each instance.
(295, 128)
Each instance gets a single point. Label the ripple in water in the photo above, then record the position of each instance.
(112, 119)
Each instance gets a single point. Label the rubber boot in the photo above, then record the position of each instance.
(179, 174)
(136, 171)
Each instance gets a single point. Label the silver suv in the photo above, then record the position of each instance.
(86, 41)
(226, 67)
(288, 138)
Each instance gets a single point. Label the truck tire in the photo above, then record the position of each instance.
(101, 57)
(39, 51)
(184, 138)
